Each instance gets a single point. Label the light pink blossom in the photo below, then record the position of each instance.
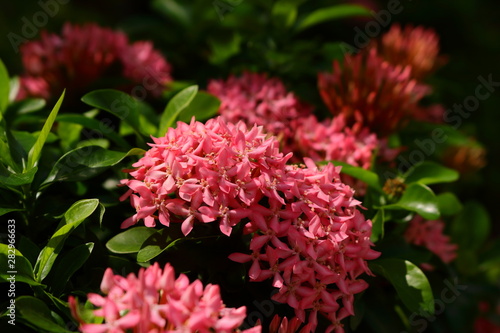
(201, 173)
(156, 301)
(313, 247)
(256, 99)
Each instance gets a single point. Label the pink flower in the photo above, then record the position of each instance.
(314, 247)
(256, 99)
(81, 56)
(205, 173)
(156, 301)
(143, 64)
(430, 234)
(385, 95)
(416, 47)
(333, 140)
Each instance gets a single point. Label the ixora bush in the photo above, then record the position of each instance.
(276, 199)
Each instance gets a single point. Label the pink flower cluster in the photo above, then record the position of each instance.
(430, 234)
(258, 100)
(156, 301)
(82, 55)
(332, 139)
(308, 237)
(313, 246)
(217, 171)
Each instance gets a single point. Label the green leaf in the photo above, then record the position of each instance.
(448, 204)
(36, 150)
(130, 241)
(86, 162)
(37, 313)
(204, 106)
(4, 88)
(224, 47)
(284, 13)
(157, 243)
(472, 227)
(118, 103)
(8, 178)
(366, 176)
(378, 226)
(430, 173)
(20, 265)
(14, 88)
(29, 249)
(173, 11)
(176, 105)
(332, 13)
(420, 199)
(73, 217)
(22, 107)
(5, 210)
(68, 265)
(410, 283)
(103, 128)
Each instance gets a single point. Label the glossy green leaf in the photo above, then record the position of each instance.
(103, 128)
(36, 150)
(68, 265)
(430, 173)
(73, 217)
(366, 176)
(157, 243)
(130, 241)
(8, 178)
(204, 106)
(86, 162)
(37, 313)
(472, 227)
(332, 13)
(176, 105)
(118, 103)
(4, 88)
(410, 283)
(20, 267)
(420, 199)
(448, 204)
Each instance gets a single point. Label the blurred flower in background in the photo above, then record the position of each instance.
(83, 56)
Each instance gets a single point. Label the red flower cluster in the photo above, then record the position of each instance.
(156, 301)
(416, 47)
(385, 95)
(383, 82)
(82, 55)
